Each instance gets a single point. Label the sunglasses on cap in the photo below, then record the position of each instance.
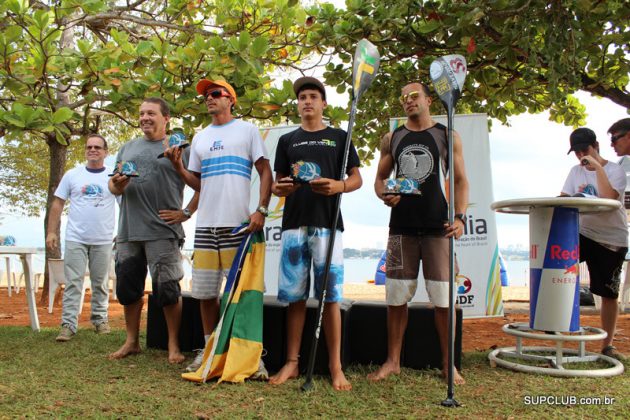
(217, 93)
(411, 95)
(613, 139)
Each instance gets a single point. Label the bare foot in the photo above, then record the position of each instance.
(339, 381)
(386, 369)
(288, 371)
(127, 349)
(176, 357)
(457, 378)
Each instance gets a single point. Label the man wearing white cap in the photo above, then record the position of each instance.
(221, 159)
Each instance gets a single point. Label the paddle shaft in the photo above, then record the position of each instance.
(451, 250)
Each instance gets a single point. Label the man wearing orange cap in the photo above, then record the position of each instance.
(221, 159)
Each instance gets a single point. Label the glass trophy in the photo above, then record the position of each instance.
(402, 186)
(127, 168)
(304, 172)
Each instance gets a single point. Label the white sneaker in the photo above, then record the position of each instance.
(196, 363)
(261, 374)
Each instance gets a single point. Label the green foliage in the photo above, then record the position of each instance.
(523, 56)
(67, 68)
(72, 67)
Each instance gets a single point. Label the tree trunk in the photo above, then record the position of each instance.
(58, 156)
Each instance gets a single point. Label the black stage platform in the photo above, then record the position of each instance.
(363, 325)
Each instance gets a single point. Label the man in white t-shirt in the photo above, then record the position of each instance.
(620, 137)
(603, 236)
(88, 236)
(222, 156)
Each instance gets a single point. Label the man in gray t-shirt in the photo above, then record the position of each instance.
(150, 231)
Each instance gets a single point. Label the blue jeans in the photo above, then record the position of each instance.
(76, 259)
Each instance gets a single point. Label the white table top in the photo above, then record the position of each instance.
(583, 204)
(17, 250)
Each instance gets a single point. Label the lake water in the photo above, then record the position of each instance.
(357, 270)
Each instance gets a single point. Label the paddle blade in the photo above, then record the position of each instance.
(366, 62)
(448, 74)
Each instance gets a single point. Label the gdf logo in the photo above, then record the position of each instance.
(464, 284)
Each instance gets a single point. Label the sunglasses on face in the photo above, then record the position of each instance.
(411, 95)
(613, 139)
(216, 94)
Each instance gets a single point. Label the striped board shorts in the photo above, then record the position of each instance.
(214, 252)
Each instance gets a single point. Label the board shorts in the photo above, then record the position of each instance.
(214, 253)
(164, 261)
(604, 267)
(300, 248)
(404, 253)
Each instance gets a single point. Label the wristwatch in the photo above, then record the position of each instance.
(461, 216)
(187, 213)
(263, 210)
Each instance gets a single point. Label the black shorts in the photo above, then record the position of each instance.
(604, 267)
(165, 265)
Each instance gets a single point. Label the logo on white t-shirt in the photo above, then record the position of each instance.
(589, 189)
(92, 191)
(217, 145)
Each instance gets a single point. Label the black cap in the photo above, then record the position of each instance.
(309, 81)
(582, 138)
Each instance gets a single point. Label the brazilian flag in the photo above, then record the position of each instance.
(236, 354)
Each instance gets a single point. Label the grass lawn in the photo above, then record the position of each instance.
(39, 377)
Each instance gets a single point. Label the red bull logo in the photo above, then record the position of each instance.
(557, 253)
(533, 252)
(573, 269)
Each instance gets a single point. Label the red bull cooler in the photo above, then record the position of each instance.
(554, 258)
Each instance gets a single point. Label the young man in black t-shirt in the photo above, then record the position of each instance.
(313, 156)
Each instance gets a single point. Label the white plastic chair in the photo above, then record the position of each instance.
(624, 295)
(57, 277)
(10, 276)
(112, 276)
(186, 280)
(36, 279)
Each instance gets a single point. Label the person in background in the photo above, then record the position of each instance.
(89, 234)
(603, 236)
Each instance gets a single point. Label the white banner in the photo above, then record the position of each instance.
(478, 283)
(273, 223)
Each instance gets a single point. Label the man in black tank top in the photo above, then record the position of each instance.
(417, 153)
